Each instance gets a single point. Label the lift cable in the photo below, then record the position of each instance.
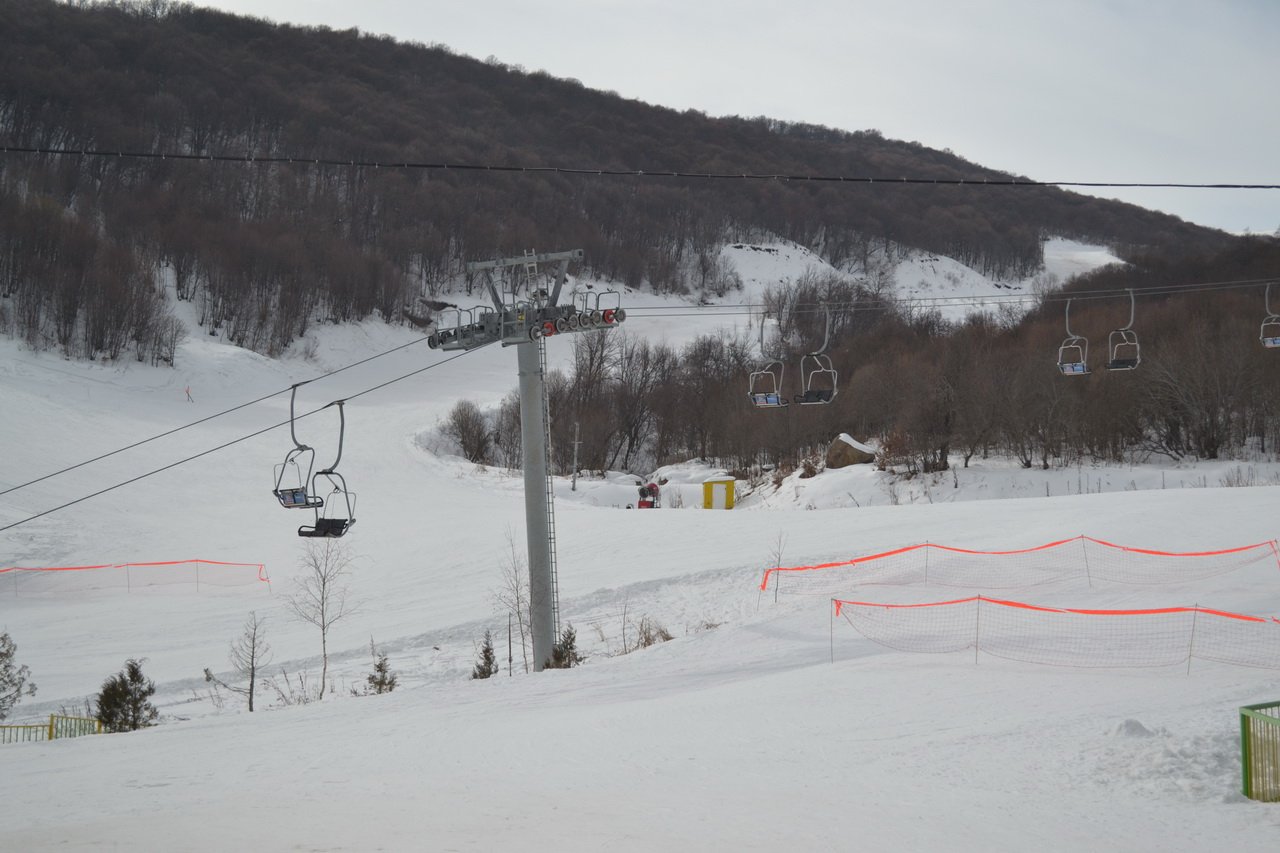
(952, 301)
(202, 420)
(635, 173)
(242, 438)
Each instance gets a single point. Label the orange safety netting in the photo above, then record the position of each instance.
(1064, 636)
(28, 580)
(1080, 557)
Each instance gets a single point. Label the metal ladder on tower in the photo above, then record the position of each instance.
(551, 496)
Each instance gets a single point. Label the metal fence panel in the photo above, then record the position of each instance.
(1260, 751)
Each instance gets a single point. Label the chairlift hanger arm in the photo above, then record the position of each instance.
(1129, 325)
(342, 430)
(1070, 334)
(293, 396)
(826, 335)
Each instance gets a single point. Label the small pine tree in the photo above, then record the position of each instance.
(382, 679)
(488, 663)
(13, 679)
(124, 705)
(564, 653)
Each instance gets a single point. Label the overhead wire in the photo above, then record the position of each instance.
(746, 308)
(233, 442)
(178, 429)
(633, 173)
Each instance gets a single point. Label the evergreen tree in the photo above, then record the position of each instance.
(13, 680)
(564, 654)
(124, 705)
(382, 679)
(488, 663)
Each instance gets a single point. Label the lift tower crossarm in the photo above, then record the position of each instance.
(562, 258)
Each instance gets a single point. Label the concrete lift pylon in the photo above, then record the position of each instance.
(525, 321)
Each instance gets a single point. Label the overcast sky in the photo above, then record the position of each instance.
(1180, 91)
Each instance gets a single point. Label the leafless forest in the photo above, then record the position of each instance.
(93, 249)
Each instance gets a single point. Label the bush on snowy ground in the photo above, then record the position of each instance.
(650, 633)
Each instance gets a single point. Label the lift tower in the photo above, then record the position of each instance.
(523, 315)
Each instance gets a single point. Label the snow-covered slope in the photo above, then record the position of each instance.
(760, 726)
(924, 280)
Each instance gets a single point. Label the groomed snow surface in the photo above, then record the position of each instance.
(741, 733)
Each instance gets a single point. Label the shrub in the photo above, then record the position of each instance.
(650, 633)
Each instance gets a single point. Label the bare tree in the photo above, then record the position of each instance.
(249, 654)
(321, 596)
(469, 427)
(513, 594)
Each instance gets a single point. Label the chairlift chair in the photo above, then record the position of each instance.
(1073, 355)
(818, 379)
(338, 513)
(764, 385)
(291, 484)
(1122, 345)
(817, 375)
(291, 487)
(1270, 332)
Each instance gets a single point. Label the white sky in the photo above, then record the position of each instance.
(1100, 90)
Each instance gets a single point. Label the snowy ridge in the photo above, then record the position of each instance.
(928, 280)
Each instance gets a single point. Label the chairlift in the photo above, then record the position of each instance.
(1073, 355)
(817, 376)
(1270, 332)
(764, 386)
(335, 515)
(291, 484)
(1123, 344)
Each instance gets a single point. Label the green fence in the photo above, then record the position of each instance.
(57, 728)
(1260, 751)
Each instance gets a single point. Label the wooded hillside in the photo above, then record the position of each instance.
(265, 249)
(90, 246)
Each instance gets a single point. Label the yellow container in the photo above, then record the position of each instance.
(718, 493)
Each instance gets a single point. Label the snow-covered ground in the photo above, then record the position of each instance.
(741, 733)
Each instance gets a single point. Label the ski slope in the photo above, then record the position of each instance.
(761, 726)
